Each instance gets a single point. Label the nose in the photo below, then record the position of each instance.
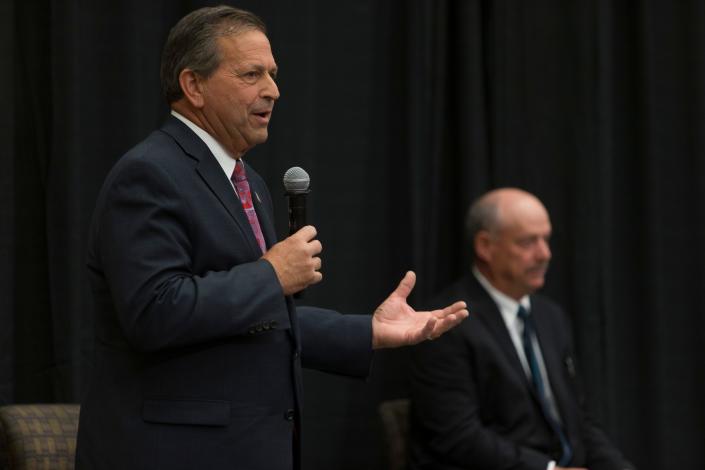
(544, 250)
(270, 89)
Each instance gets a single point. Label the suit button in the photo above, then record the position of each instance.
(273, 324)
(266, 326)
(259, 328)
(251, 331)
(296, 354)
(289, 415)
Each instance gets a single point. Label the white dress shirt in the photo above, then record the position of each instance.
(508, 308)
(225, 158)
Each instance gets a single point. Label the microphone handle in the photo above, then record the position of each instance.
(297, 212)
(297, 219)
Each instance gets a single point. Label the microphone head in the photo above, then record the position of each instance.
(296, 180)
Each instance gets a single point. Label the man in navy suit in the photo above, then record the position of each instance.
(198, 344)
(501, 391)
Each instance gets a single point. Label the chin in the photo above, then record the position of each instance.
(260, 137)
(535, 284)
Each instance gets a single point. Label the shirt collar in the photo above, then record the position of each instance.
(508, 307)
(225, 158)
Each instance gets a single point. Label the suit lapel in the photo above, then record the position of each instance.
(551, 357)
(488, 311)
(212, 174)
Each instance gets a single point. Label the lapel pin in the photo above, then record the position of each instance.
(570, 366)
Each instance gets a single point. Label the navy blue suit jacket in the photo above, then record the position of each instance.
(474, 408)
(198, 353)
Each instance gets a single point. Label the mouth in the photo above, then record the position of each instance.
(538, 270)
(262, 117)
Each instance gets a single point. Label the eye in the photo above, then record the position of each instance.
(526, 242)
(250, 76)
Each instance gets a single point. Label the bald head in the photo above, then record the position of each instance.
(509, 230)
(501, 207)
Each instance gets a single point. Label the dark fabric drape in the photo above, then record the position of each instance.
(7, 208)
(402, 112)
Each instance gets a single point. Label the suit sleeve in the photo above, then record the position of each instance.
(447, 412)
(144, 247)
(602, 455)
(336, 343)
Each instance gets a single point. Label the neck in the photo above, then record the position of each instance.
(497, 283)
(198, 118)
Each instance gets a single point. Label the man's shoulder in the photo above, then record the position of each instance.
(157, 145)
(155, 163)
(468, 289)
(550, 312)
(158, 149)
(463, 288)
(544, 303)
(479, 304)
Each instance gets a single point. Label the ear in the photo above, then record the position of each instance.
(192, 86)
(483, 245)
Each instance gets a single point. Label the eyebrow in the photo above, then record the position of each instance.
(260, 68)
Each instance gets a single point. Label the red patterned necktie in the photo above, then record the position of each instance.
(239, 179)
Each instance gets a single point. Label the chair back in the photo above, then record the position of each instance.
(41, 436)
(395, 416)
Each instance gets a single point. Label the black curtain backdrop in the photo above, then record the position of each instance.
(402, 112)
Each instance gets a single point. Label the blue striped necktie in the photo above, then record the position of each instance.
(539, 386)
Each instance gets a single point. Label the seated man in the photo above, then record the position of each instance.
(501, 391)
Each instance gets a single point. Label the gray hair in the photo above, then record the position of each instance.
(192, 43)
(483, 214)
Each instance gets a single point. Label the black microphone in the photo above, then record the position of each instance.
(296, 182)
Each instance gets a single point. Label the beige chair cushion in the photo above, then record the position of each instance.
(38, 436)
(395, 416)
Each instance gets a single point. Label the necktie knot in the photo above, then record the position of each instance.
(522, 313)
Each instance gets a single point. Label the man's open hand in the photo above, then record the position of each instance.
(395, 323)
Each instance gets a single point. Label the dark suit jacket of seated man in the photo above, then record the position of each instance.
(198, 344)
(475, 404)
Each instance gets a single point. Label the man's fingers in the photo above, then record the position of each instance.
(427, 330)
(306, 233)
(406, 285)
(442, 325)
(445, 320)
(315, 247)
(456, 308)
(296, 261)
(447, 323)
